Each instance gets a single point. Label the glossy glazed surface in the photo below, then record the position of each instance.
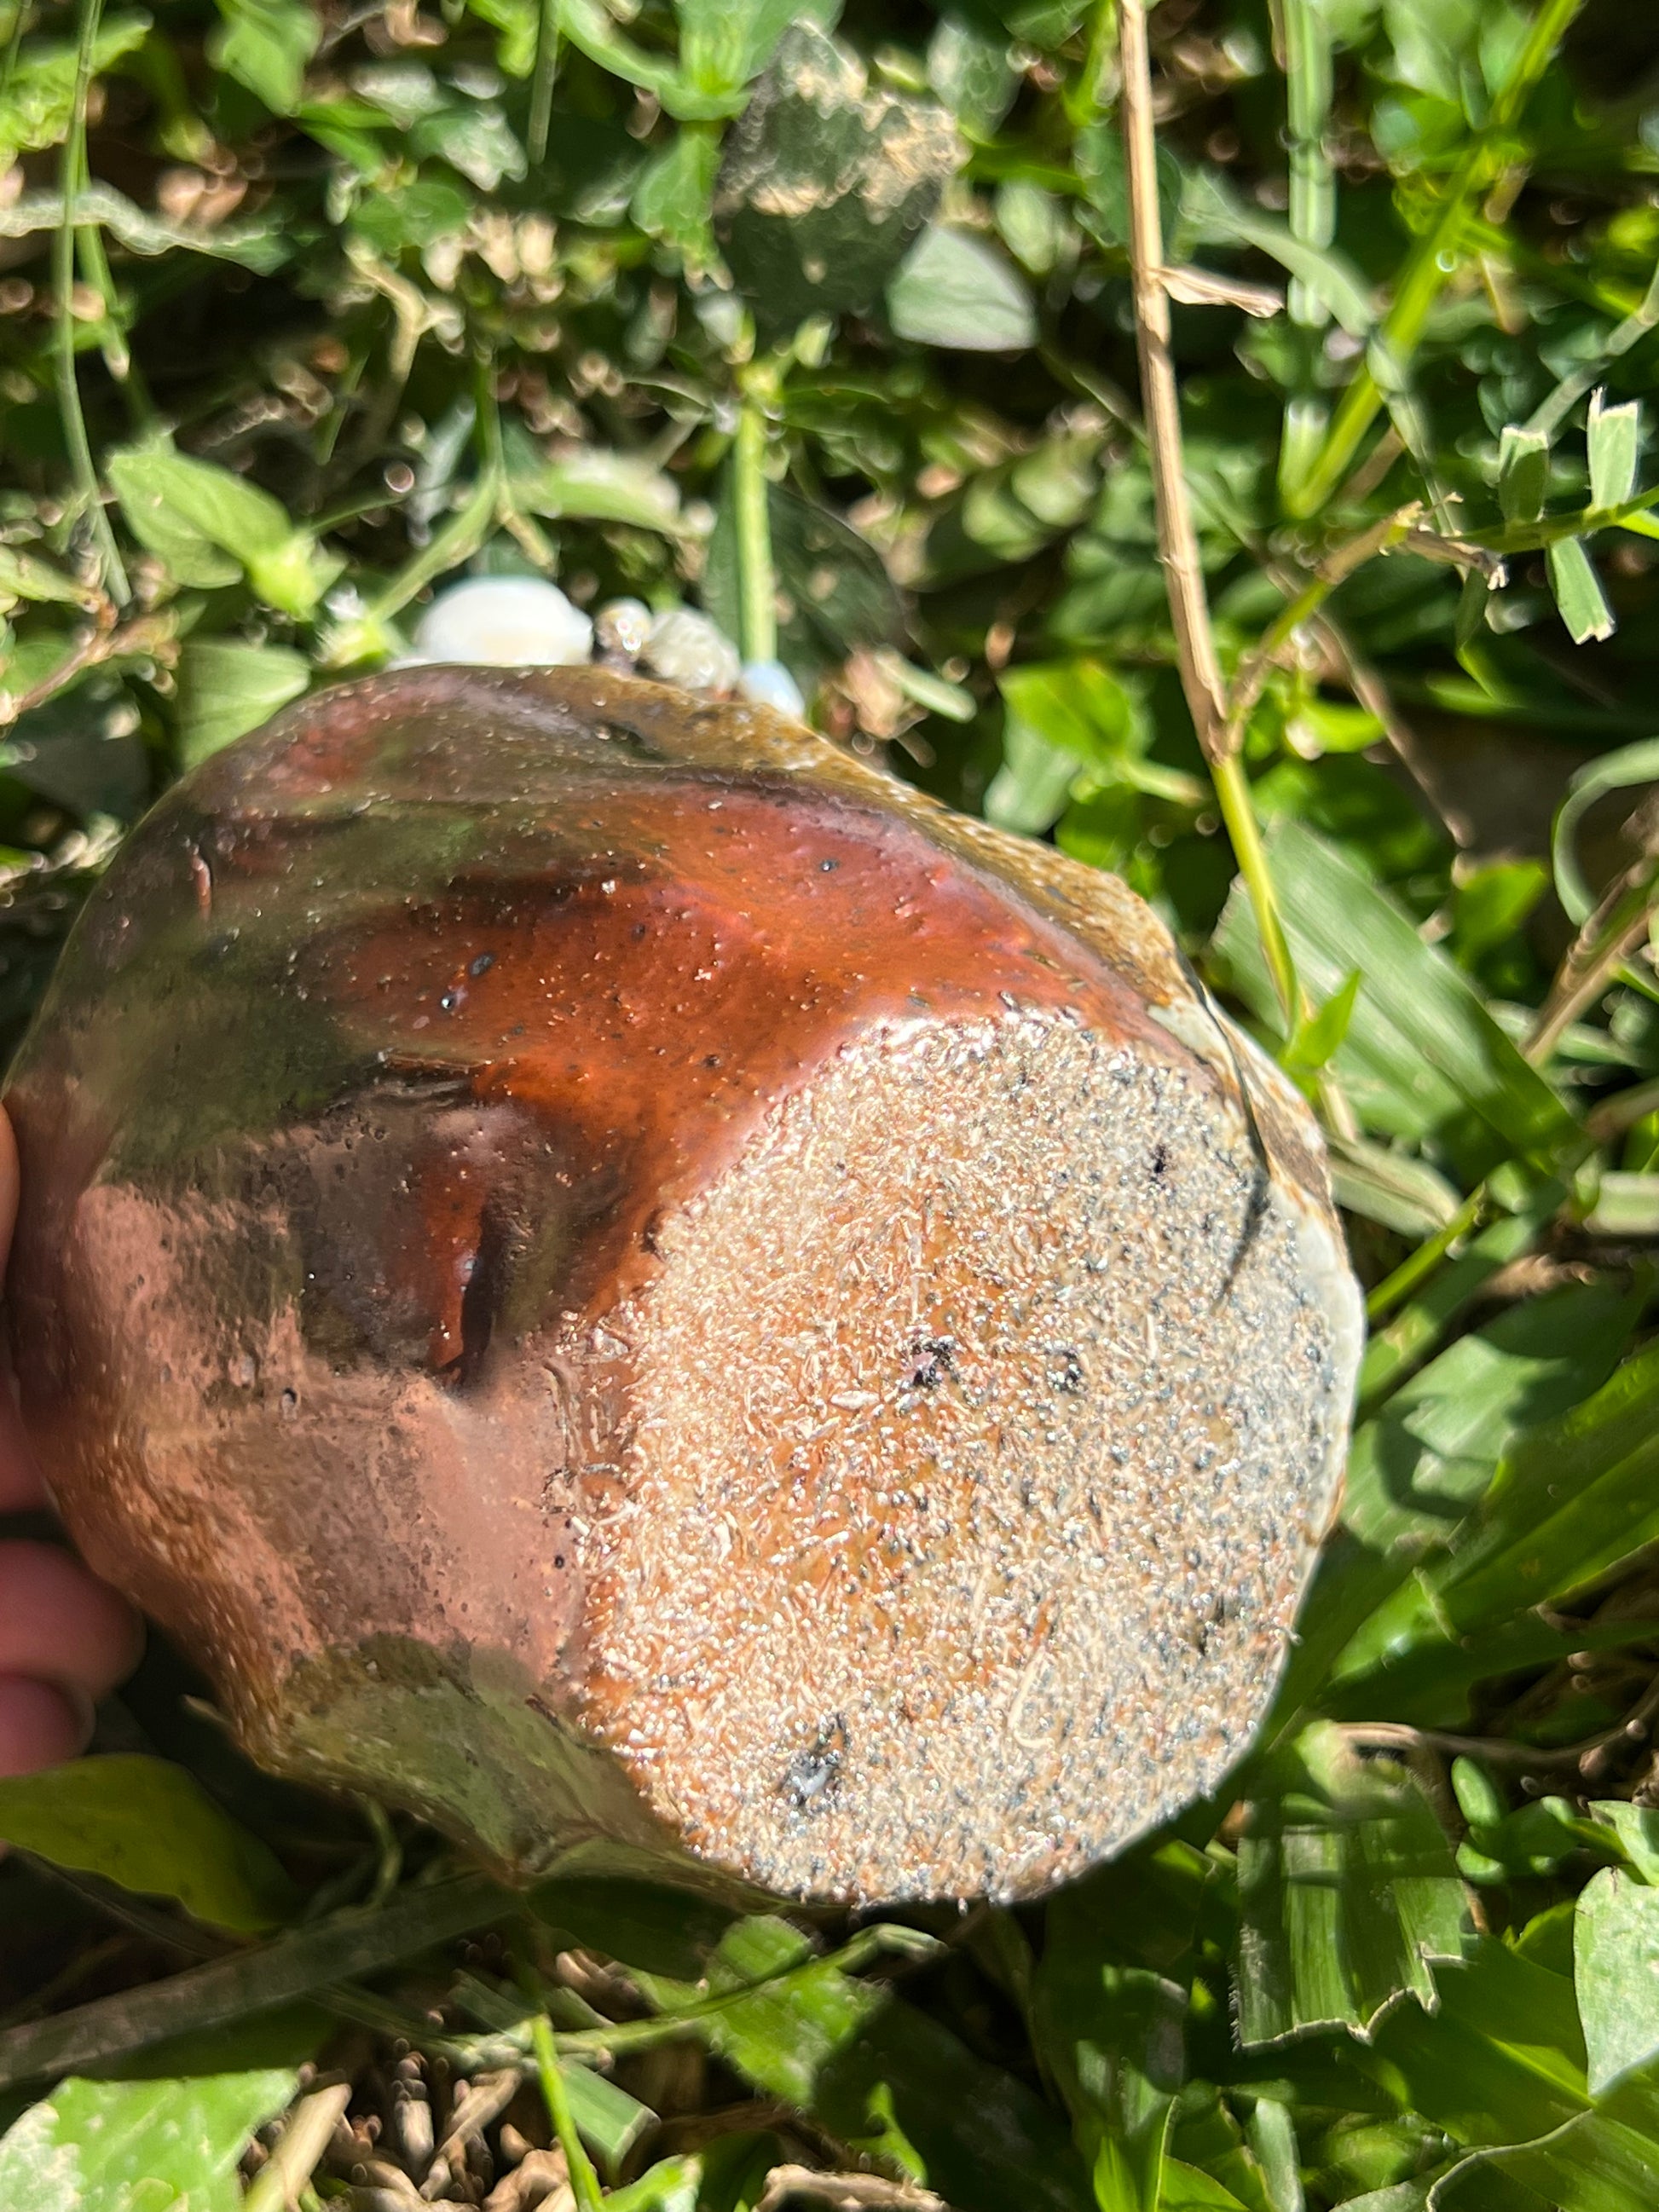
(622, 1279)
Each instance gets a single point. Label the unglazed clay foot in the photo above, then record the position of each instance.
(630, 1284)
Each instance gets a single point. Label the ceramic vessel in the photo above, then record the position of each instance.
(628, 1282)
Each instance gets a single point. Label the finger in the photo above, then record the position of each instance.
(58, 1624)
(20, 1480)
(40, 1725)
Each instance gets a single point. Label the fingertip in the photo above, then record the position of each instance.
(58, 1623)
(41, 1725)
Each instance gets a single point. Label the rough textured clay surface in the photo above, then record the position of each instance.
(626, 1282)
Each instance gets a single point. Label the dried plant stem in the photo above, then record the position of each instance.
(1177, 539)
(310, 2126)
(1201, 671)
(1251, 677)
(847, 2192)
(1635, 1728)
(1595, 956)
(72, 180)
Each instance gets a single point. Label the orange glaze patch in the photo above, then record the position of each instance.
(687, 953)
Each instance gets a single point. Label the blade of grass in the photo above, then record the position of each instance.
(1311, 215)
(1550, 414)
(253, 1981)
(14, 44)
(1437, 254)
(757, 585)
(584, 2182)
(541, 89)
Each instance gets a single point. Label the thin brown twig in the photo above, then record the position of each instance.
(1373, 694)
(1201, 669)
(1251, 678)
(304, 2139)
(488, 2096)
(1398, 1735)
(1177, 539)
(1616, 1115)
(847, 2192)
(147, 633)
(1594, 958)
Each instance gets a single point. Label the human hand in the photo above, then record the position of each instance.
(66, 1638)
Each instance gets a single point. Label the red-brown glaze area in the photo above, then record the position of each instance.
(649, 1008)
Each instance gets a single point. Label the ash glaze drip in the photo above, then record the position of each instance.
(629, 1283)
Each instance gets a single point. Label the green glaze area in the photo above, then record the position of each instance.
(460, 1744)
(230, 1030)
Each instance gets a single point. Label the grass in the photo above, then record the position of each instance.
(303, 312)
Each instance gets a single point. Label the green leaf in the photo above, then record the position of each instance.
(209, 1997)
(724, 43)
(1637, 1829)
(476, 140)
(1032, 225)
(415, 215)
(150, 2146)
(149, 1826)
(1404, 1194)
(1577, 590)
(609, 2121)
(601, 487)
(192, 515)
(24, 577)
(1422, 1052)
(39, 92)
(1614, 437)
(848, 2052)
(227, 689)
(1570, 1500)
(1210, 206)
(671, 2185)
(1626, 1205)
(1523, 471)
(588, 25)
(952, 290)
(836, 591)
(779, 2038)
(1347, 1893)
(1182, 2188)
(1112, 2036)
(674, 198)
(970, 68)
(404, 89)
(265, 45)
(1317, 1035)
(1074, 728)
(1616, 1971)
(1498, 2056)
(160, 526)
(1417, 1468)
(824, 182)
